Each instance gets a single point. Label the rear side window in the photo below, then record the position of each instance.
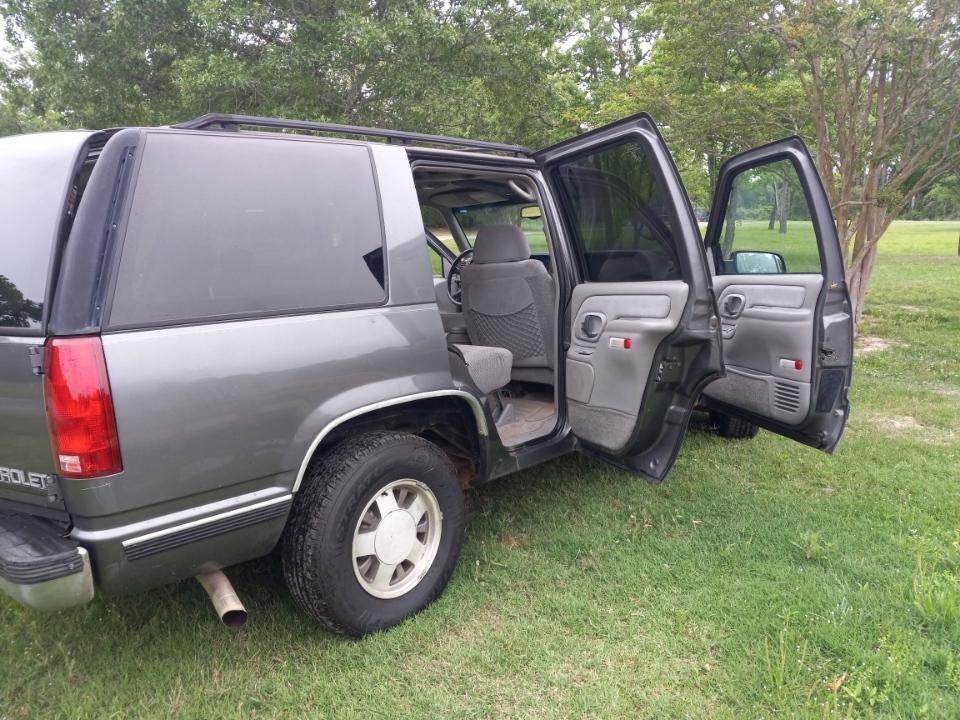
(35, 171)
(225, 227)
(619, 215)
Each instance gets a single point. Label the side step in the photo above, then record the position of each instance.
(39, 567)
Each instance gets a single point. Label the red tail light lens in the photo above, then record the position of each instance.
(76, 390)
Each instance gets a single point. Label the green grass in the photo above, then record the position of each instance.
(798, 246)
(758, 575)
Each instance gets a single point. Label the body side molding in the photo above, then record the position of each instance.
(177, 535)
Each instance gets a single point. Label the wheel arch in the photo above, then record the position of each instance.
(420, 414)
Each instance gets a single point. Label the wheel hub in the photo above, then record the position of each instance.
(395, 536)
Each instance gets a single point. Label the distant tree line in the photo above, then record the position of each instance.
(872, 85)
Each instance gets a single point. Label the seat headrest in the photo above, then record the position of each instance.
(500, 243)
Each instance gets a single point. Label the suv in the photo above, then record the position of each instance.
(238, 334)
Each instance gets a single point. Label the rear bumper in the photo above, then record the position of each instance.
(39, 567)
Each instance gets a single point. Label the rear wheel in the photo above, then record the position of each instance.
(375, 532)
(730, 427)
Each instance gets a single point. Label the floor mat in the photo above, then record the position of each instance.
(533, 415)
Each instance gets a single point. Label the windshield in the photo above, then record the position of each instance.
(472, 218)
(35, 171)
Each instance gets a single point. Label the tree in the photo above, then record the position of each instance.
(881, 79)
(609, 40)
(874, 86)
(100, 63)
(941, 202)
(15, 309)
(483, 68)
(716, 86)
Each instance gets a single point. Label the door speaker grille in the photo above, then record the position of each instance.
(786, 397)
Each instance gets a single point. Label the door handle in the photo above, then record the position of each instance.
(733, 305)
(591, 325)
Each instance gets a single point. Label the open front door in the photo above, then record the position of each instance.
(784, 309)
(643, 337)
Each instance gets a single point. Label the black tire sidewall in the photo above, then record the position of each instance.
(348, 603)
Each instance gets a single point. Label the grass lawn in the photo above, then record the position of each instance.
(763, 579)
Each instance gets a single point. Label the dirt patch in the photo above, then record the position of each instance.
(866, 344)
(907, 426)
(512, 541)
(904, 422)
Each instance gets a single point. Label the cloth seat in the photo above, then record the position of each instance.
(508, 299)
(488, 368)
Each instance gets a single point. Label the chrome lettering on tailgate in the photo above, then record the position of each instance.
(31, 480)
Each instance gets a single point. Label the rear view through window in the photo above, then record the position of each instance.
(34, 173)
(620, 215)
(232, 227)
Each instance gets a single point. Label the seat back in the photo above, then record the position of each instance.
(508, 299)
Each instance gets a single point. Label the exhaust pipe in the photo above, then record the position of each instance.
(224, 598)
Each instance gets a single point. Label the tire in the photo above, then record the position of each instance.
(339, 505)
(732, 428)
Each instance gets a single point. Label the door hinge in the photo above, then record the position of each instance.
(36, 358)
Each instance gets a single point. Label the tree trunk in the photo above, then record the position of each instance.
(731, 227)
(784, 207)
(773, 208)
(858, 278)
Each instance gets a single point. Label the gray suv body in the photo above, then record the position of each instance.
(216, 341)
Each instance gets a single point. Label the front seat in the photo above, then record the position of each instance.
(508, 301)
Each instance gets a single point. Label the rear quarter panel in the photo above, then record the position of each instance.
(218, 416)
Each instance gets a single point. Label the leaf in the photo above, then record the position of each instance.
(835, 685)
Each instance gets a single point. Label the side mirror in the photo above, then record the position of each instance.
(746, 262)
(530, 212)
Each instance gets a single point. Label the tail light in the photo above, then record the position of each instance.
(76, 390)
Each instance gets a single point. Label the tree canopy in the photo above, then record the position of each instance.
(872, 85)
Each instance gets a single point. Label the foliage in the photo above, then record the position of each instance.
(716, 85)
(881, 80)
(941, 202)
(484, 69)
(15, 309)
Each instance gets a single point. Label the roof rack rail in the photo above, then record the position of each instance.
(227, 121)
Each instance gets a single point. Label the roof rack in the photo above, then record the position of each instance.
(226, 121)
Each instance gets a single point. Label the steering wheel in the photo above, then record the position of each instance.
(454, 285)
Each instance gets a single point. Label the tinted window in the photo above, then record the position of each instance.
(34, 173)
(767, 227)
(435, 224)
(224, 226)
(620, 216)
(527, 216)
(436, 262)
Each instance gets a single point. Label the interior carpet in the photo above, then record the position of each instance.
(533, 416)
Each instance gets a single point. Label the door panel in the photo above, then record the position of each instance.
(784, 311)
(642, 328)
(617, 328)
(762, 342)
(781, 314)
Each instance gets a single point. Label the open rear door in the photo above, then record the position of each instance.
(643, 337)
(784, 308)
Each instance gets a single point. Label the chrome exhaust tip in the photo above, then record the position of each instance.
(224, 598)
